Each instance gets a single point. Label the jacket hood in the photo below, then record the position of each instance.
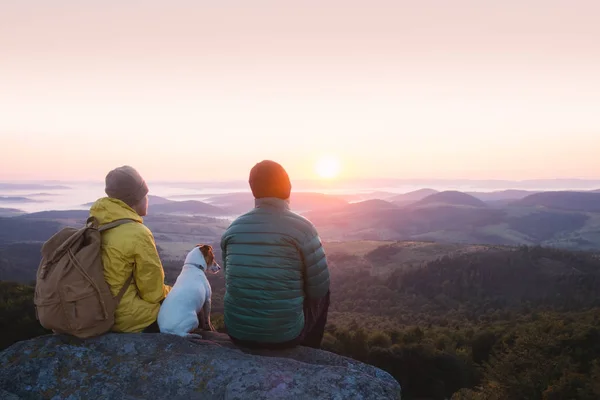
(107, 210)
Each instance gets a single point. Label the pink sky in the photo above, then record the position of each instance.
(195, 90)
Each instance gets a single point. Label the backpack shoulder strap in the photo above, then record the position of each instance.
(114, 224)
(123, 289)
(105, 227)
(111, 225)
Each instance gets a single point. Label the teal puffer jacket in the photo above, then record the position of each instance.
(273, 258)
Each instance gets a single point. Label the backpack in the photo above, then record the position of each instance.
(71, 294)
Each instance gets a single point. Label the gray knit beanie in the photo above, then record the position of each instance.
(126, 184)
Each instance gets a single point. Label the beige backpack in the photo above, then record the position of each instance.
(71, 294)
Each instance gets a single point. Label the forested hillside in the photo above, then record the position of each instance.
(480, 322)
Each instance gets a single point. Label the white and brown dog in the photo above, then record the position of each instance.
(190, 296)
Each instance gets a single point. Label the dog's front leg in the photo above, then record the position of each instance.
(207, 325)
(202, 320)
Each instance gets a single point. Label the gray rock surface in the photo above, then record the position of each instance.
(156, 366)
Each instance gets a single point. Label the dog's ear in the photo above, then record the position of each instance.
(205, 249)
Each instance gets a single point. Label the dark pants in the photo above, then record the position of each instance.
(315, 319)
(152, 328)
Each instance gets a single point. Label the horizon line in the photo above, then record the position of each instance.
(312, 180)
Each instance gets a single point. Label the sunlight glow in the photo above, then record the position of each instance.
(328, 167)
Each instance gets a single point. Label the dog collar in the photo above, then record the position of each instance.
(200, 267)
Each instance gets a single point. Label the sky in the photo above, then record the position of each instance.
(202, 90)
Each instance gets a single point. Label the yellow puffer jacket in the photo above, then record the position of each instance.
(130, 249)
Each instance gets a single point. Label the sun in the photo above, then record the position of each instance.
(328, 167)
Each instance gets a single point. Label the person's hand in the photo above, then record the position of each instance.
(208, 326)
(204, 323)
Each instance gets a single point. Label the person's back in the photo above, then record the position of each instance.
(275, 267)
(129, 249)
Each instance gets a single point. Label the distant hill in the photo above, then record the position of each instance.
(412, 197)
(445, 223)
(152, 201)
(495, 196)
(437, 222)
(239, 203)
(371, 205)
(449, 198)
(157, 200)
(40, 194)
(572, 201)
(10, 212)
(552, 227)
(18, 200)
(236, 203)
(18, 229)
(305, 201)
(357, 197)
(186, 207)
(502, 195)
(81, 215)
(193, 196)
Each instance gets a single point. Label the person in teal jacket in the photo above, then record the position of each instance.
(276, 274)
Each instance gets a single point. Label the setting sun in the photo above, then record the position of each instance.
(328, 167)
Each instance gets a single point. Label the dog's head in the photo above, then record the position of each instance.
(202, 256)
(209, 258)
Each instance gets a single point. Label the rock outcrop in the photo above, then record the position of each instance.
(156, 366)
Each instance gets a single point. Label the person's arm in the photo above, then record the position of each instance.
(316, 269)
(223, 253)
(148, 272)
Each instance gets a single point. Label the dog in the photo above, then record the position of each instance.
(190, 296)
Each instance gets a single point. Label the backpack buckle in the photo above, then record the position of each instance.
(92, 222)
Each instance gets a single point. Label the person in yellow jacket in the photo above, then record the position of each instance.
(129, 249)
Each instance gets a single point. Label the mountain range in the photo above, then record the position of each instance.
(569, 220)
(234, 204)
(559, 219)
